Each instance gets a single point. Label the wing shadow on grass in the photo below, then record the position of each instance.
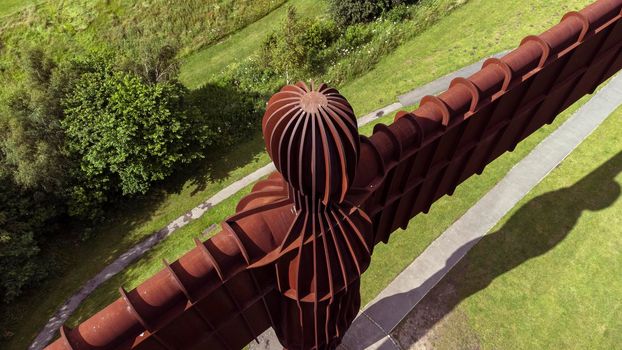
(536, 228)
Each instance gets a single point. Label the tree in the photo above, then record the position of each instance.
(23, 214)
(283, 50)
(294, 49)
(348, 12)
(126, 134)
(31, 138)
(153, 61)
(34, 169)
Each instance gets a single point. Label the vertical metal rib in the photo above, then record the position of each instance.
(192, 302)
(209, 257)
(64, 330)
(227, 227)
(177, 280)
(141, 320)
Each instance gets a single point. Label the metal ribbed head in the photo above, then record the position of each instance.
(312, 137)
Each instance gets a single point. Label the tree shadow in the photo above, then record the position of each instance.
(535, 229)
(216, 166)
(233, 118)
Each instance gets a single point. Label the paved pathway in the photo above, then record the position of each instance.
(64, 312)
(373, 326)
(414, 96)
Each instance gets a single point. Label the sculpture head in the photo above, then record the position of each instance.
(311, 135)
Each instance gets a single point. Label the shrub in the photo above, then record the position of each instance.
(296, 48)
(24, 216)
(315, 37)
(31, 138)
(126, 134)
(347, 12)
(398, 14)
(283, 50)
(356, 35)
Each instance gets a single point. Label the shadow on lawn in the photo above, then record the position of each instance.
(237, 116)
(217, 164)
(537, 227)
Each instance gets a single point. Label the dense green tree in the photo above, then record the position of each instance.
(154, 61)
(31, 137)
(283, 50)
(126, 133)
(23, 216)
(347, 12)
(84, 123)
(294, 50)
(33, 169)
(75, 135)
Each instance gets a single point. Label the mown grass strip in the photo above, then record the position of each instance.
(9, 7)
(199, 67)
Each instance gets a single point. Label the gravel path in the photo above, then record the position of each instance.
(49, 331)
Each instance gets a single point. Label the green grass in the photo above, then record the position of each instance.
(548, 275)
(391, 259)
(469, 33)
(8, 7)
(127, 28)
(150, 263)
(199, 67)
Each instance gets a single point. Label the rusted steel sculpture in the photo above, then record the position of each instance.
(312, 137)
(292, 255)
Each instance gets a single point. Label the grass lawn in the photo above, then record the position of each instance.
(548, 275)
(139, 218)
(199, 67)
(8, 7)
(475, 30)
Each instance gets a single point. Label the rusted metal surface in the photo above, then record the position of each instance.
(292, 255)
(311, 134)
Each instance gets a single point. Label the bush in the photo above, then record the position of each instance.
(126, 134)
(24, 216)
(31, 138)
(315, 39)
(295, 49)
(348, 12)
(398, 14)
(355, 36)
